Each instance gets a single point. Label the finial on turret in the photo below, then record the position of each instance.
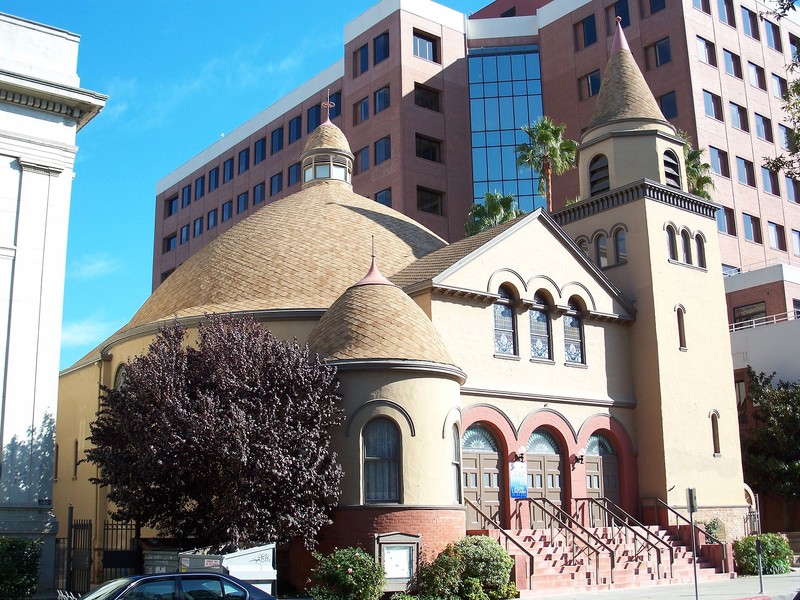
(328, 105)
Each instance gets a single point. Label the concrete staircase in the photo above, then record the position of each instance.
(557, 569)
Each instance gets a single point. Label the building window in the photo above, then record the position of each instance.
(733, 64)
(384, 197)
(706, 51)
(763, 127)
(589, 85)
(295, 129)
(170, 206)
(430, 201)
(752, 228)
(751, 313)
(686, 243)
(242, 202)
(573, 335)
(792, 189)
(336, 109)
(703, 5)
(745, 172)
(715, 433)
(756, 76)
(669, 105)
(773, 35)
(362, 160)
(426, 47)
(701, 250)
(657, 6)
(170, 243)
(184, 234)
(617, 9)
(244, 160)
(620, 246)
(770, 181)
(658, 54)
(361, 60)
(779, 86)
(186, 196)
(598, 175)
(275, 184)
(383, 150)
(777, 236)
(726, 14)
(197, 227)
(381, 443)
(277, 140)
(259, 193)
(380, 48)
(672, 170)
(213, 179)
(456, 465)
(426, 97)
(381, 99)
(585, 33)
(227, 170)
(719, 161)
(713, 105)
(583, 244)
(429, 149)
(726, 221)
(540, 328)
(313, 118)
(681, 328)
(750, 23)
(739, 117)
(784, 136)
(227, 210)
(361, 111)
(796, 246)
(672, 243)
(260, 151)
(505, 324)
(293, 174)
(211, 220)
(601, 250)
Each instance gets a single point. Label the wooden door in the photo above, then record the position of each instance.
(544, 481)
(482, 484)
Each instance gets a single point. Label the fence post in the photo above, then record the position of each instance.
(68, 574)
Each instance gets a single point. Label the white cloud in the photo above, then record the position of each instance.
(92, 267)
(91, 330)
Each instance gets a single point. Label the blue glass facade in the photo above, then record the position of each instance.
(505, 89)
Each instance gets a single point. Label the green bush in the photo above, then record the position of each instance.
(487, 562)
(713, 527)
(776, 555)
(441, 578)
(347, 574)
(19, 567)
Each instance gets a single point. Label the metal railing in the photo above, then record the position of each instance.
(791, 315)
(658, 503)
(567, 526)
(614, 516)
(506, 537)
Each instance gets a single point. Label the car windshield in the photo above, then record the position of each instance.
(107, 590)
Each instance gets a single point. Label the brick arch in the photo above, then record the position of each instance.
(611, 428)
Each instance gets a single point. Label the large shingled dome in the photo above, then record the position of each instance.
(300, 252)
(327, 136)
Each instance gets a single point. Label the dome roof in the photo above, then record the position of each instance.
(375, 320)
(300, 252)
(327, 136)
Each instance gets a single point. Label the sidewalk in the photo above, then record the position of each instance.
(776, 587)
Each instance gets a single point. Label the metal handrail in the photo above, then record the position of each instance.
(723, 547)
(625, 520)
(564, 520)
(791, 315)
(507, 537)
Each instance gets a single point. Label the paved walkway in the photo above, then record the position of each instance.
(776, 587)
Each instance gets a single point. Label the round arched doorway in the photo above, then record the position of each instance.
(602, 469)
(482, 475)
(543, 454)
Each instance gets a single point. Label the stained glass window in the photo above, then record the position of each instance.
(478, 438)
(542, 442)
(540, 329)
(599, 445)
(573, 336)
(504, 333)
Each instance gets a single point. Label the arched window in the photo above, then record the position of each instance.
(601, 250)
(121, 378)
(573, 334)
(583, 244)
(672, 170)
(478, 439)
(686, 240)
(715, 432)
(701, 251)
(680, 311)
(620, 247)
(456, 460)
(381, 443)
(540, 328)
(598, 175)
(599, 445)
(541, 442)
(672, 243)
(505, 334)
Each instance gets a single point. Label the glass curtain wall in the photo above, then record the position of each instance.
(505, 90)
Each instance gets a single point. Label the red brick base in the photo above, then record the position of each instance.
(357, 525)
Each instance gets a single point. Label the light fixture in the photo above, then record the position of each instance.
(579, 457)
(521, 453)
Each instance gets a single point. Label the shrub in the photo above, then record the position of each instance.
(347, 574)
(485, 560)
(19, 567)
(713, 527)
(776, 555)
(441, 578)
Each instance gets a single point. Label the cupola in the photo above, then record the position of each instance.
(327, 155)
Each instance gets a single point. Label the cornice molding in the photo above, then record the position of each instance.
(505, 394)
(38, 168)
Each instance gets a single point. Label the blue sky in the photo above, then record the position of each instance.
(178, 74)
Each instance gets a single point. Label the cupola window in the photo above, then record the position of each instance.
(324, 166)
(598, 175)
(672, 170)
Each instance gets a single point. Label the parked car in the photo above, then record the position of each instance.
(178, 586)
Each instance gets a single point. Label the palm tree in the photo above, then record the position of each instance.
(698, 173)
(495, 209)
(547, 152)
